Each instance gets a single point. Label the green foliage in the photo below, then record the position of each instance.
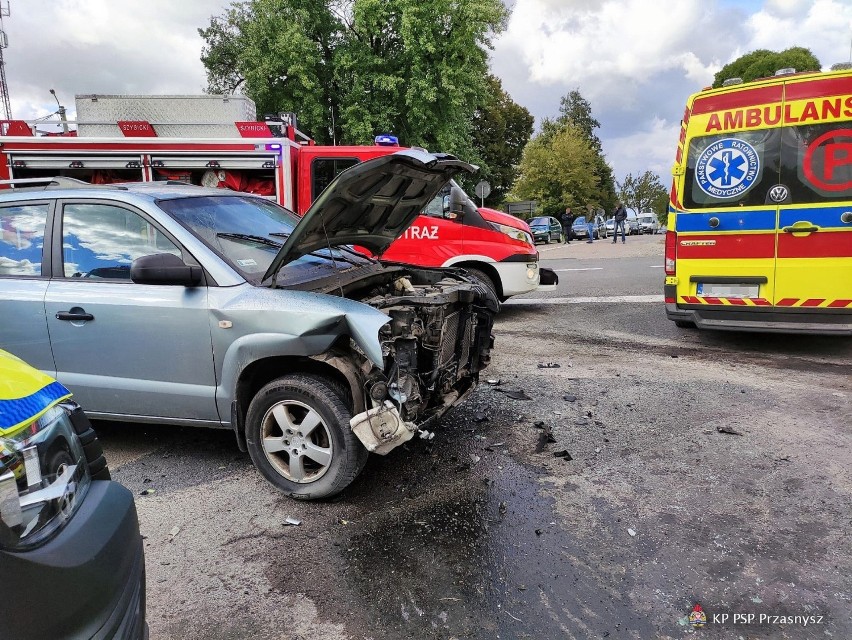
(555, 171)
(763, 63)
(353, 68)
(644, 193)
(576, 111)
(500, 129)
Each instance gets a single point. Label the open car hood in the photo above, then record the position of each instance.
(370, 204)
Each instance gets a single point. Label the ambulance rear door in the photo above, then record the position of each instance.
(814, 197)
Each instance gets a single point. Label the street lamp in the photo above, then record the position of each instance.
(61, 112)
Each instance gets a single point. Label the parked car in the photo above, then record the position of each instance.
(648, 223)
(546, 229)
(71, 556)
(580, 230)
(235, 313)
(632, 227)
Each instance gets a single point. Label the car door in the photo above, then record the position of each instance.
(125, 348)
(813, 267)
(23, 282)
(555, 229)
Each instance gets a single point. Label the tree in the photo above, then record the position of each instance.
(353, 68)
(643, 193)
(501, 128)
(763, 63)
(576, 110)
(556, 171)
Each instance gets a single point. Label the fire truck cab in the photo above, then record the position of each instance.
(160, 138)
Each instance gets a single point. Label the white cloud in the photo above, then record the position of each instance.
(649, 149)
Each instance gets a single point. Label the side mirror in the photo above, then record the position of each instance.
(164, 268)
(455, 203)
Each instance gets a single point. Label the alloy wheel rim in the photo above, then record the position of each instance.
(296, 441)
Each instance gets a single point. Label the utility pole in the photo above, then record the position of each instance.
(4, 42)
(61, 112)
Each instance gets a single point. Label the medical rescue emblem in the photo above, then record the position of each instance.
(727, 168)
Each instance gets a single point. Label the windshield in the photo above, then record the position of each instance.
(580, 222)
(539, 222)
(245, 231)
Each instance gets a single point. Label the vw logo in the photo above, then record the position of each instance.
(778, 193)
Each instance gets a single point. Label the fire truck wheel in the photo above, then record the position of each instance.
(298, 436)
(485, 279)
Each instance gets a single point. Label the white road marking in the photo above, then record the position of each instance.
(656, 266)
(582, 300)
(584, 269)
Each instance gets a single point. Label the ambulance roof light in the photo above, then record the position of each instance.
(786, 71)
(730, 81)
(387, 140)
(840, 66)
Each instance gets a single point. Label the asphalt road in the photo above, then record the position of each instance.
(703, 467)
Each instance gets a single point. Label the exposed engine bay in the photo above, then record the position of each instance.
(436, 343)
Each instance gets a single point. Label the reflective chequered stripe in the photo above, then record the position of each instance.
(763, 302)
(20, 411)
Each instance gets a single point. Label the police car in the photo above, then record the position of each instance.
(71, 558)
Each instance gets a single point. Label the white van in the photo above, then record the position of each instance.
(648, 223)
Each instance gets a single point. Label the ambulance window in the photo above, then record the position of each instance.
(22, 239)
(816, 162)
(324, 170)
(100, 241)
(732, 170)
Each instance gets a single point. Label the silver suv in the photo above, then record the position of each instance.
(175, 304)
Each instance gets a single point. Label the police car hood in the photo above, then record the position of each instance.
(370, 204)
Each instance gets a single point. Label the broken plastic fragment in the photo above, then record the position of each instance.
(548, 365)
(174, 531)
(728, 430)
(293, 522)
(569, 398)
(515, 394)
(493, 381)
(632, 533)
(563, 454)
(147, 492)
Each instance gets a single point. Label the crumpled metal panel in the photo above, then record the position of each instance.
(193, 116)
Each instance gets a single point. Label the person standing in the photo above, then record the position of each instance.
(567, 222)
(620, 217)
(590, 223)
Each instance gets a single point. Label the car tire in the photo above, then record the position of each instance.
(684, 324)
(484, 278)
(547, 239)
(305, 464)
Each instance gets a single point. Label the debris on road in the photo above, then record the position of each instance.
(563, 454)
(548, 365)
(493, 381)
(147, 492)
(173, 532)
(480, 417)
(515, 394)
(292, 522)
(569, 398)
(632, 533)
(728, 430)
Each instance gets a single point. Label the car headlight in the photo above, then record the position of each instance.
(43, 479)
(512, 232)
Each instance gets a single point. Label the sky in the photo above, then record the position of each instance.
(635, 61)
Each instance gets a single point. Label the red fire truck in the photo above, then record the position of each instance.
(150, 138)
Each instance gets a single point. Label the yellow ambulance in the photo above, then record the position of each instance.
(760, 220)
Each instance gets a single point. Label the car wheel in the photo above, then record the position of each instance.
(298, 436)
(547, 239)
(684, 324)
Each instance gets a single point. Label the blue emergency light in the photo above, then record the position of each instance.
(387, 140)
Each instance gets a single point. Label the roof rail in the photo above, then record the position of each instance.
(59, 182)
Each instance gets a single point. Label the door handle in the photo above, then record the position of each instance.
(67, 315)
(795, 229)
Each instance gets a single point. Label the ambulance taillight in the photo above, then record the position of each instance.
(671, 252)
